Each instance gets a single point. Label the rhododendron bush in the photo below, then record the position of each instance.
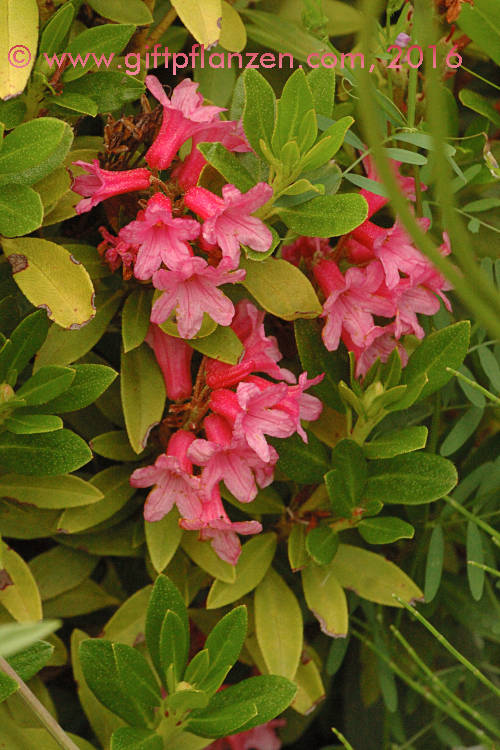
(249, 375)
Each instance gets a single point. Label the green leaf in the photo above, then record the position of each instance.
(322, 543)
(393, 443)
(109, 89)
(143, 394)
(479, 104)
(227, 164)
(133, 11)
(260, 698)
(53, 187)
(97, 658)
(474, 551)
(434, 563)
(174, 647)
(140, 681)
(197, 668)
(223, 645)
(74, 102)
(31, 660)
(295, 103)
(462, 430)
(63, 347)
(223, 345)
(302, 462)
(321, 81)
(50, 278)
(442, 349)
(64, 491)
(114, 485)
(16, 636)
(133, 738)
(47, 383)
(19, 593)
(259, 110)
(410, 479)
(55, 31)
(316, 359)
(128, 622)
(281, 288)
(203, 21)
(162, 539)
(203, 555)
(328, 145)
(114, 445)
(405, 156)
(32, 424)
(26, 339)
(385, 530)
(372, 577)
(47, 454)
(326, 599)
(490, 365)
(481, 23)
(326, 215)
(187, 698)
(8, 686)
(255, 559)
(297, 553)
(96, 42)
(19, 25)
(346, 481)
(21, 210)
(165, 596)
(61, 569)
(34, 149)
(278, 625)
(310, 688)
(90, 382)
(135, 318)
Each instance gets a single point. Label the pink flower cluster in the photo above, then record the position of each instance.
(383, 276)
(239, 409)
(263, 737)
(156, 245)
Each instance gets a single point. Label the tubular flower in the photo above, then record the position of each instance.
(100, 184)
(174, 357)
(228, 221)
(159, 236)
(183, 114)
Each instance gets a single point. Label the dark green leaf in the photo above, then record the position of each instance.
(47, 383)
(32, 424)
(174, 645)
(322, 543)
(410, 479)
(224, 644)
(109, 89)
(133, 738)
(96, 42)
(434, 564)
(346, 482)
(227, 164)
(295, 103)
(136, 676)
(21, 210)
(31, 660)
(302, 462)
(34, 149)
(47, 454)
(474, 551)
(385, 530)
(164, 596)
(316, 359)
(89, 383)
(259, 110)
(135, 318)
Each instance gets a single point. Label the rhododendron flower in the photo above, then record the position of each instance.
(183, 114)
(213, 523)
(261, 352)
(171, 475)
(190, 289)
(226, 458)
(306, 248)
(174, 357)
(300, 405)
(352, 301)
(100, 184)
(228, 221)
(227, 132)
(158, 236)
(117, 252)
(259, 738)
(382, 346)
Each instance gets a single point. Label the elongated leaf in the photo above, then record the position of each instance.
(143, 394)
(165, 596)
(21, 210)
(47, 383)
(48, 454)
(223, 344)
(162, 539)
(410, 479)
(18, 42)
(89, 383)
(345, 483)
(302, 462)
(259, 110)
(32, 150)
(174, 646)
(315, 359)
(204, 556)
(19, 593)
(64, 491)
(135, 673)
(385, 530)
(394, 443)
(327, 215)
(372, 577)
(61, 569)
(326, 599)
(321, 544)
(14, 637)
(114, 445)
(26, 339)
(278, 625)
(255, 559)
(133, 11)
(227, 164)
(32, 424)
(135, 318)
(50, 278)
(295, 102)
(474, 548)
(93, 43)
(434, 564)
(223, 645)
(133, 738)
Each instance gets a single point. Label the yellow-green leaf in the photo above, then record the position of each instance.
(278, 625)
(143, 394)
(372, 577)
(18, 43)
(310, 689)
(326, 599)
(202, 18)
(51, 278)
(233, 35)
(162, 539)
(64, 491)
(203, 555)
(18, 590)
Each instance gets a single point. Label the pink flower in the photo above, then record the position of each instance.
(190, 289)
(259, 738)
(183, 115)
(100, 184)
(213, 523)
(307, 248)
(397, 253)
(227, 132)
(229, 459)
(171, 475)
(261, 352)
(159, 236)
(300, 405)
(116, 252)
(174, 357)
(381, 348)
(352, 301)
(228, 221)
